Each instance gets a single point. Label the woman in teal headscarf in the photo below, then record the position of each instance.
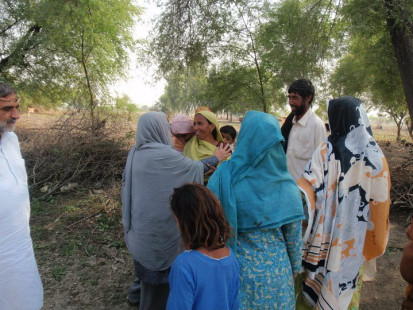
(263, 205)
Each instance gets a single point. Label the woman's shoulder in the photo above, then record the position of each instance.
(185, 256)
(187, 260)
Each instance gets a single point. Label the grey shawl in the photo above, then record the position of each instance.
(153, 169)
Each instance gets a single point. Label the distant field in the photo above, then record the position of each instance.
(382, 131)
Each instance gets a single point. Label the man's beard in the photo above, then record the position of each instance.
(299, 110)
(7, 126)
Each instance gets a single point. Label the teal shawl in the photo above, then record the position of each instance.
(254, 186)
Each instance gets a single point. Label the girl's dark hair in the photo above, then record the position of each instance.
(200, 217)
(228, 129)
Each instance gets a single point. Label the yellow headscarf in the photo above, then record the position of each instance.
(202, 109)
(199, 149)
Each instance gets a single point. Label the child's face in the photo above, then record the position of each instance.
(227, 138)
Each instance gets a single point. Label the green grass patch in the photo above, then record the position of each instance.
(59, 272)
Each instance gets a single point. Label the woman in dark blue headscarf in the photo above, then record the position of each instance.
(263, 205)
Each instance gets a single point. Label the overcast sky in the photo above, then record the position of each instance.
(140, 87)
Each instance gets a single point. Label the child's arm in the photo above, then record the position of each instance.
(293, 240)
(181, 287)
(406, 270)
(406, 263)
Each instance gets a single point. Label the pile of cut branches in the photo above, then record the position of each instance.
(66, 155)
(399, 157)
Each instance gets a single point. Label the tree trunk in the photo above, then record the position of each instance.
(409, 128)
(401, 34)
(399, 127)
(257, 67)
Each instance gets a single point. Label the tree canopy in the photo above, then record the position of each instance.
(252, 50)
(66, 51)
(231, 55)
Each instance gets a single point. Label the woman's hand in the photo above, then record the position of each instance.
(222, 152)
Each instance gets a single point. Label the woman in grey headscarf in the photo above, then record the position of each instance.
(153, 169)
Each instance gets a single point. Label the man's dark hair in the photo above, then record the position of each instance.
(228, 129)
(303, 87)
(6, 90)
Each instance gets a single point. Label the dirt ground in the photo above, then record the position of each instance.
(387, 291)
(84, 264)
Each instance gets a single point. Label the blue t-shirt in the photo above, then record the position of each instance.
(198, 281)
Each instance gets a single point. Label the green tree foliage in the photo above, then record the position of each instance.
(66, 50)
(189, 32)
(369, 68)
(399, 18)
(252, 49)
(203, 33)
(234, 88)
(271, 43)
(185, 91)
(298, 37)
(124, 104)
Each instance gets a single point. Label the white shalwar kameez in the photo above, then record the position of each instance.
(20, 284)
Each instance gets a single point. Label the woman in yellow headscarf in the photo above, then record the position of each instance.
(207, 137)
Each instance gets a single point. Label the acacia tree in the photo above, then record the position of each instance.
(400, 26)
(266, 42)
(184, 91)
(66, 49)
(202, 33)
(298, 37)
(283, 40)
(369, 68)
(232, 87)
(124, 104)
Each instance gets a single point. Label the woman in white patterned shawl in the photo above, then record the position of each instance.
(348, 224)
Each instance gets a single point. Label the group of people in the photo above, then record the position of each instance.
(301, 212)
(208, 136)
(284, 219)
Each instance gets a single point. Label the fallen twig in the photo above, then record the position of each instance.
(84, 219)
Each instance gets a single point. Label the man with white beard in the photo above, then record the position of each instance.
(20, 284)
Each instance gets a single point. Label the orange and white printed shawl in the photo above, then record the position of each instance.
(348, 225)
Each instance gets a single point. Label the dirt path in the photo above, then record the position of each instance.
(85, 265)
(386, 292)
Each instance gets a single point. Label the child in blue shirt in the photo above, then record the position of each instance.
(206, 275)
